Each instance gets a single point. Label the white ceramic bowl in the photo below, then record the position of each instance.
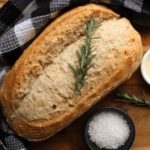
(143, 70)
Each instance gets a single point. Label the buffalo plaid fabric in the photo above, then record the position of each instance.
(22, 20)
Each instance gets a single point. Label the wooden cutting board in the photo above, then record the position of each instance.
(71, 138)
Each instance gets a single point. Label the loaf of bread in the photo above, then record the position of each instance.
(35, 95)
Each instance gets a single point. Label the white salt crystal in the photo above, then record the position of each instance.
(109, 130)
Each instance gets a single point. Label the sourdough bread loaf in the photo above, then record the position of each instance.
(35, 94)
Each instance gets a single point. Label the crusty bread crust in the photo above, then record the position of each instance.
(35, 94)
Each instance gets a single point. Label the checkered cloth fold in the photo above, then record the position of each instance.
(21, 21)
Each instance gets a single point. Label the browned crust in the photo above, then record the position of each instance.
(11, 82)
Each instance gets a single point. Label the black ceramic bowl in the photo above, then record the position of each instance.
(128, 142)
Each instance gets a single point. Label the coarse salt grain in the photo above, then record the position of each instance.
(108, 130)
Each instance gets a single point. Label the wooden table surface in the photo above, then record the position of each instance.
(2, 2)
(71, 138)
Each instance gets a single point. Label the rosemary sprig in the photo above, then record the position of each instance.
(84, 59)
(125, 97)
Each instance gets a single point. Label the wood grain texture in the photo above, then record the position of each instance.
(71, 138)
(2, 2)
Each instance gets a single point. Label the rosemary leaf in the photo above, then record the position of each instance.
(76, 86)
(88, 68)
(92, 51)
(73, 69)
(79, 55)
(78, 70)
(81, 86)
(72, 89)
(89, 60)
(84, 79)
(95, 38)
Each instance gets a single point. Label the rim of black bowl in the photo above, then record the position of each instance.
(128, 142)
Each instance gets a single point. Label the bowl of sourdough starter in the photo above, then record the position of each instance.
(109, 128)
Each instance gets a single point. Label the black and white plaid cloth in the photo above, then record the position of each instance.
(22, 20)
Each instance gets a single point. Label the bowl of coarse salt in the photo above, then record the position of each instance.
(109, 128)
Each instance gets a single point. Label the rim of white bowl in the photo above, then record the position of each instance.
(143, 70)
